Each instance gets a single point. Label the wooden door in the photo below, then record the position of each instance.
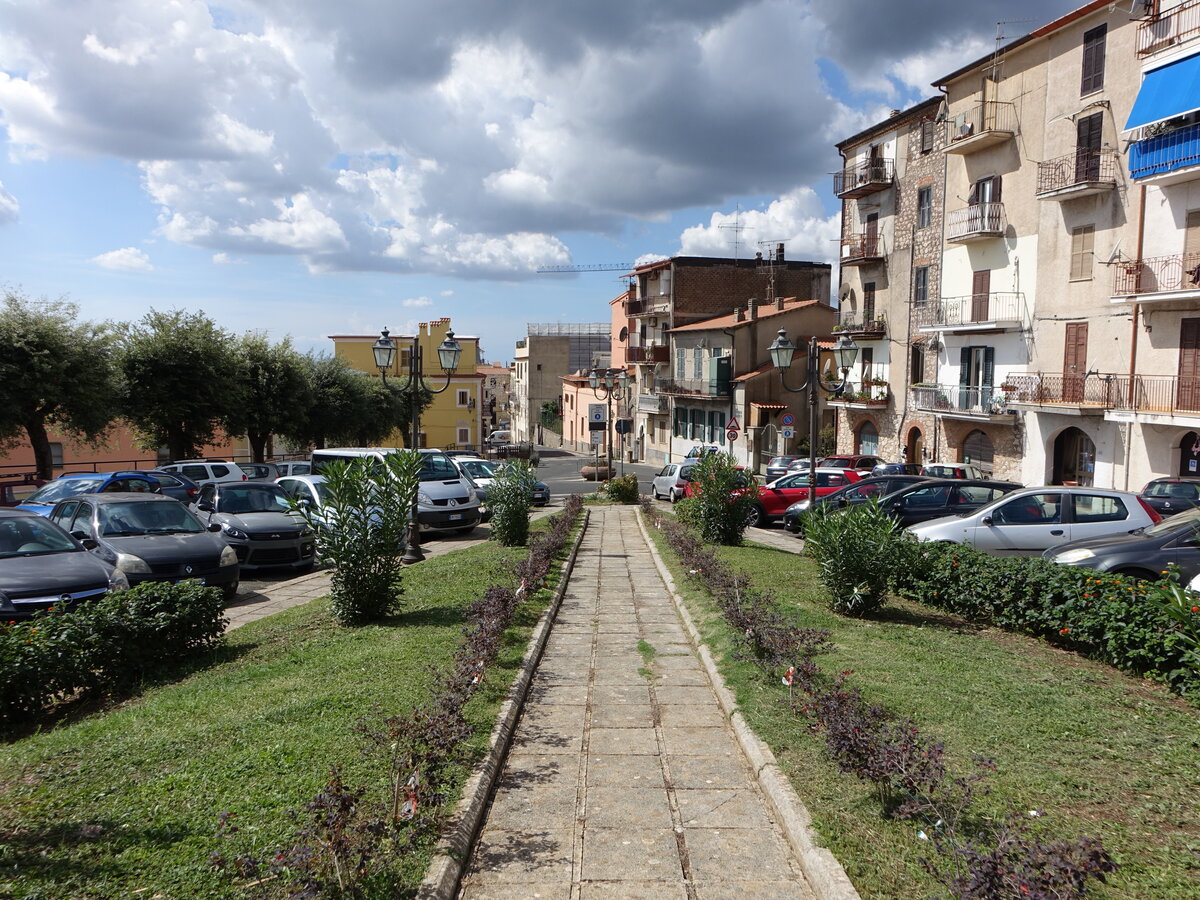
(1188, 394)
(1088, 132)
(871, 238)
(981, 289)
(1075, 362)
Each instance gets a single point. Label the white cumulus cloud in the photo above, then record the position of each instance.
(416, 301)
(127, 259)
(9, 208)
(797, 220)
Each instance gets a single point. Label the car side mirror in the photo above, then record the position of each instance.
(205, 506)
(89, 543)
(304, 502)
(80, 536)
(842, 501)
(214, 527)
(986, 520)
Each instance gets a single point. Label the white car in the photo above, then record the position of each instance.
(670, 482)
(206, 471)
(1031, 520)
(293, 468)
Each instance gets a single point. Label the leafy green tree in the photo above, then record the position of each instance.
(723, 500)
(181, 374)
(274, 389)
(54, 372)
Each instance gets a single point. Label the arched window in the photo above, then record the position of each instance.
(978, 451)
(868, 439)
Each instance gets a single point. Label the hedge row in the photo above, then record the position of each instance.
(106, 645)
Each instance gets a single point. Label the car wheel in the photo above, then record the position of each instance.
(671, 495)
(1135, 572)
(230, 591)
(654, 493)
(757, 517)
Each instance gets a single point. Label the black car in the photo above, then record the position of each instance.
(856, 494)
(777, 467)
(1168, 496)
(898, 468)
(176, 486)
(942, 497)
(1143, 553)
(150, 538)
(42, 566)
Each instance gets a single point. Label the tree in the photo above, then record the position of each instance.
(274, 390)
(54, 371)
(182, 380)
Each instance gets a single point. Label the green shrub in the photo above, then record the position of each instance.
(105, 645)
(362, 529)
(509, 500)
(852, 549)
(687, 512)
(622, 490)
(724, 496)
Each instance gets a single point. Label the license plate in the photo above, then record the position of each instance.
(454, 517)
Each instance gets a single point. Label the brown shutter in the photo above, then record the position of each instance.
(981, 289)
(868, 305)
(1075, 361)
(871, 242)
(1093, 60)
(1188, 395)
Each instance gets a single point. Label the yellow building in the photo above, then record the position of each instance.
(453, 419)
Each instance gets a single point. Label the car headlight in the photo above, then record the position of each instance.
(472, 495)
(307, 531)
(117, 581)
(127, 562)
(424, 499)
(799, 506)
(234, 532)
(228, 556)
(1074, 556)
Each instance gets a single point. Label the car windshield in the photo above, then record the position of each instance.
(1187, 519)
(32, 536)
(246, 498)
(477, 468)
(120, 519)
(1174, 490)
(780, 461)
(438, 467)
(63, 488)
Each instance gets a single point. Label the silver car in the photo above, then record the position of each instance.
(1030, 521)
(672, 480)
(256, 522)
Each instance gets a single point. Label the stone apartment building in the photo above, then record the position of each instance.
(1061, 343)
(497, 395)
(549, 351)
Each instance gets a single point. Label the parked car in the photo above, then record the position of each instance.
(701, 450)
(874, 488)
(942, 497)
(775, 498)
(897, 468)
(742, 481)
(150, 538)
(206, 471)
(671, 481)
(1172, 495)
(777, 467)
(255, 519)
(14, 490)
(1142, 553)
(42, 566)
(539, 495)
(1031, 520)
(43, 499)
(176, 486)
(256, 471)
(858, 462)
(800, 464)
(953, 470)
(498, 438)
(292, 468)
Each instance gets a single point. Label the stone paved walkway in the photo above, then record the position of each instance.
(623, 779)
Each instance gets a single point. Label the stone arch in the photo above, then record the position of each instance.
(914, 445)
(866, 437)
(1072, 457)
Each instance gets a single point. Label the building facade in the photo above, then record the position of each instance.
(497, 395)
(549, 351)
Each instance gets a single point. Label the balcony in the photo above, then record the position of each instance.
(1168, 29)
(1078, 174)
(862, 249)
(649, 354)
(635, 307)
(977, 403)
(699, 389)
(1155, 398)
(986, 125)
(978, 222)
(871, 328)
(863, 178)
(999, 311)
(1071, 395)
(863, 395)
(1157, 278)
(654, 404)
(1168, 157)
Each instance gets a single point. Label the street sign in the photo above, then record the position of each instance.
(787, 420)
(597, 412)
(733, 425)
(597, 438)
(623, 425)
(788, 432)
(731, 435)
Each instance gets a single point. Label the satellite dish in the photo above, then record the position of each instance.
(1115, 256)
(845, 293)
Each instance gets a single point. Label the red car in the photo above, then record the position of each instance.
(692, 489)
(857, 462)
(774, 499)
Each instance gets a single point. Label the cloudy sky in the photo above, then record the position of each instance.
(310, 167)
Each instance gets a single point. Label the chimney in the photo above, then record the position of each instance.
(779, 252)
(738, 316)
(752, 309)
(779, 304)
(893, 113)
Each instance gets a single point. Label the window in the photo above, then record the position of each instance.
(698, 363)
(1032, 509)
(867, 363)
(927, 136)
(1093, 60)
(464, 398)
(680, 364)
(464, 435)
(1096, 508)
(916, 366)
(539, 367)
(868, 439)
(1082, 255)
(868, 305)
(921, 285)
(924, 207)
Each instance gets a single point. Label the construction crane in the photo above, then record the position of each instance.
(593, 267)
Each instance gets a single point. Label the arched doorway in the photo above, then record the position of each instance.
(914, 446)
(1074, 458)
(868, 439)
(1189, 454)
(978, 450)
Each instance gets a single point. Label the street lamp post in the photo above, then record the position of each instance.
(385, 353)
(845, 351)
(608, 384)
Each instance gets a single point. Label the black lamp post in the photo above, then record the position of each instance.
(608, 384)
(845, 351)
(385, 353)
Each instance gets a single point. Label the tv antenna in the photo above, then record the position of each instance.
(770, 263)
(737, 227)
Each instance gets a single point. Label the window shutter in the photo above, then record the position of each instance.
(1093, 60)
(989, 366)
(964, 366)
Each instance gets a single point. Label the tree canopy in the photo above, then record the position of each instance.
(274, 389)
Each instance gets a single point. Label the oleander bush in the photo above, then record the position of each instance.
(852, 549)
(622, 490)
(509, 501)
(724, 497)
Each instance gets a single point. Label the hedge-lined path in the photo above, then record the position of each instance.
(624, 779)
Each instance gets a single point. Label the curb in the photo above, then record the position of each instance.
(824, 873)
(452, 851)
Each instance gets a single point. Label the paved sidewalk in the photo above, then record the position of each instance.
(623, 779)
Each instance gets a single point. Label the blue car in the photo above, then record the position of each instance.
(43, 499)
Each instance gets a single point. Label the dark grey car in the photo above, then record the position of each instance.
(150, 538)
(255, 519)
(42, 566)
(1144, 553)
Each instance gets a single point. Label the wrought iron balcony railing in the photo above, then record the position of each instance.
(850, 323)
(975, 222)
(1077, 172)
(1168, 28)
(864, 178)
(650, 353)
(980, 400)
(1158, 274)
(1000, 308)
(859, 249)
(981, 126)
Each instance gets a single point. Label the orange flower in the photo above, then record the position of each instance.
(1063, 630)
(1196, 609)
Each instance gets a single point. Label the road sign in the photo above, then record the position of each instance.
(623, 425)
(788, 432)
(597, 438)
(787, 420)
(597, 412)
(731, 435)
(733, 425)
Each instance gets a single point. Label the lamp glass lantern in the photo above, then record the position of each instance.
(384, 350)
(845, 352)
(594, 379)
(449, 352)
(782, 350)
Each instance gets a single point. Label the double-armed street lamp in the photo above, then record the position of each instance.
(845, 352)
(449, 352)
(609, 384)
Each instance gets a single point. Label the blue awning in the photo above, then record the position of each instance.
(1168, 92)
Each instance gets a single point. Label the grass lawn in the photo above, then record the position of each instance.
(1096, 751)
(124, 802)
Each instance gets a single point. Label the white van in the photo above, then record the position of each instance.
(446, 501)
(499, 438)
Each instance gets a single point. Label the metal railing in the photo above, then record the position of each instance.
(973, 309)
(1080, 167)
(1056, 389)
(1157, 393)
(853, 324)
(989, 116)
(862, 246)
(696, 388)
(1170, 27)
(635, 307)
(1161, 153)
(1158, 273)
(982, 400)
(651, 353)
(866, 175)
(976, 220)
(858, 392)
